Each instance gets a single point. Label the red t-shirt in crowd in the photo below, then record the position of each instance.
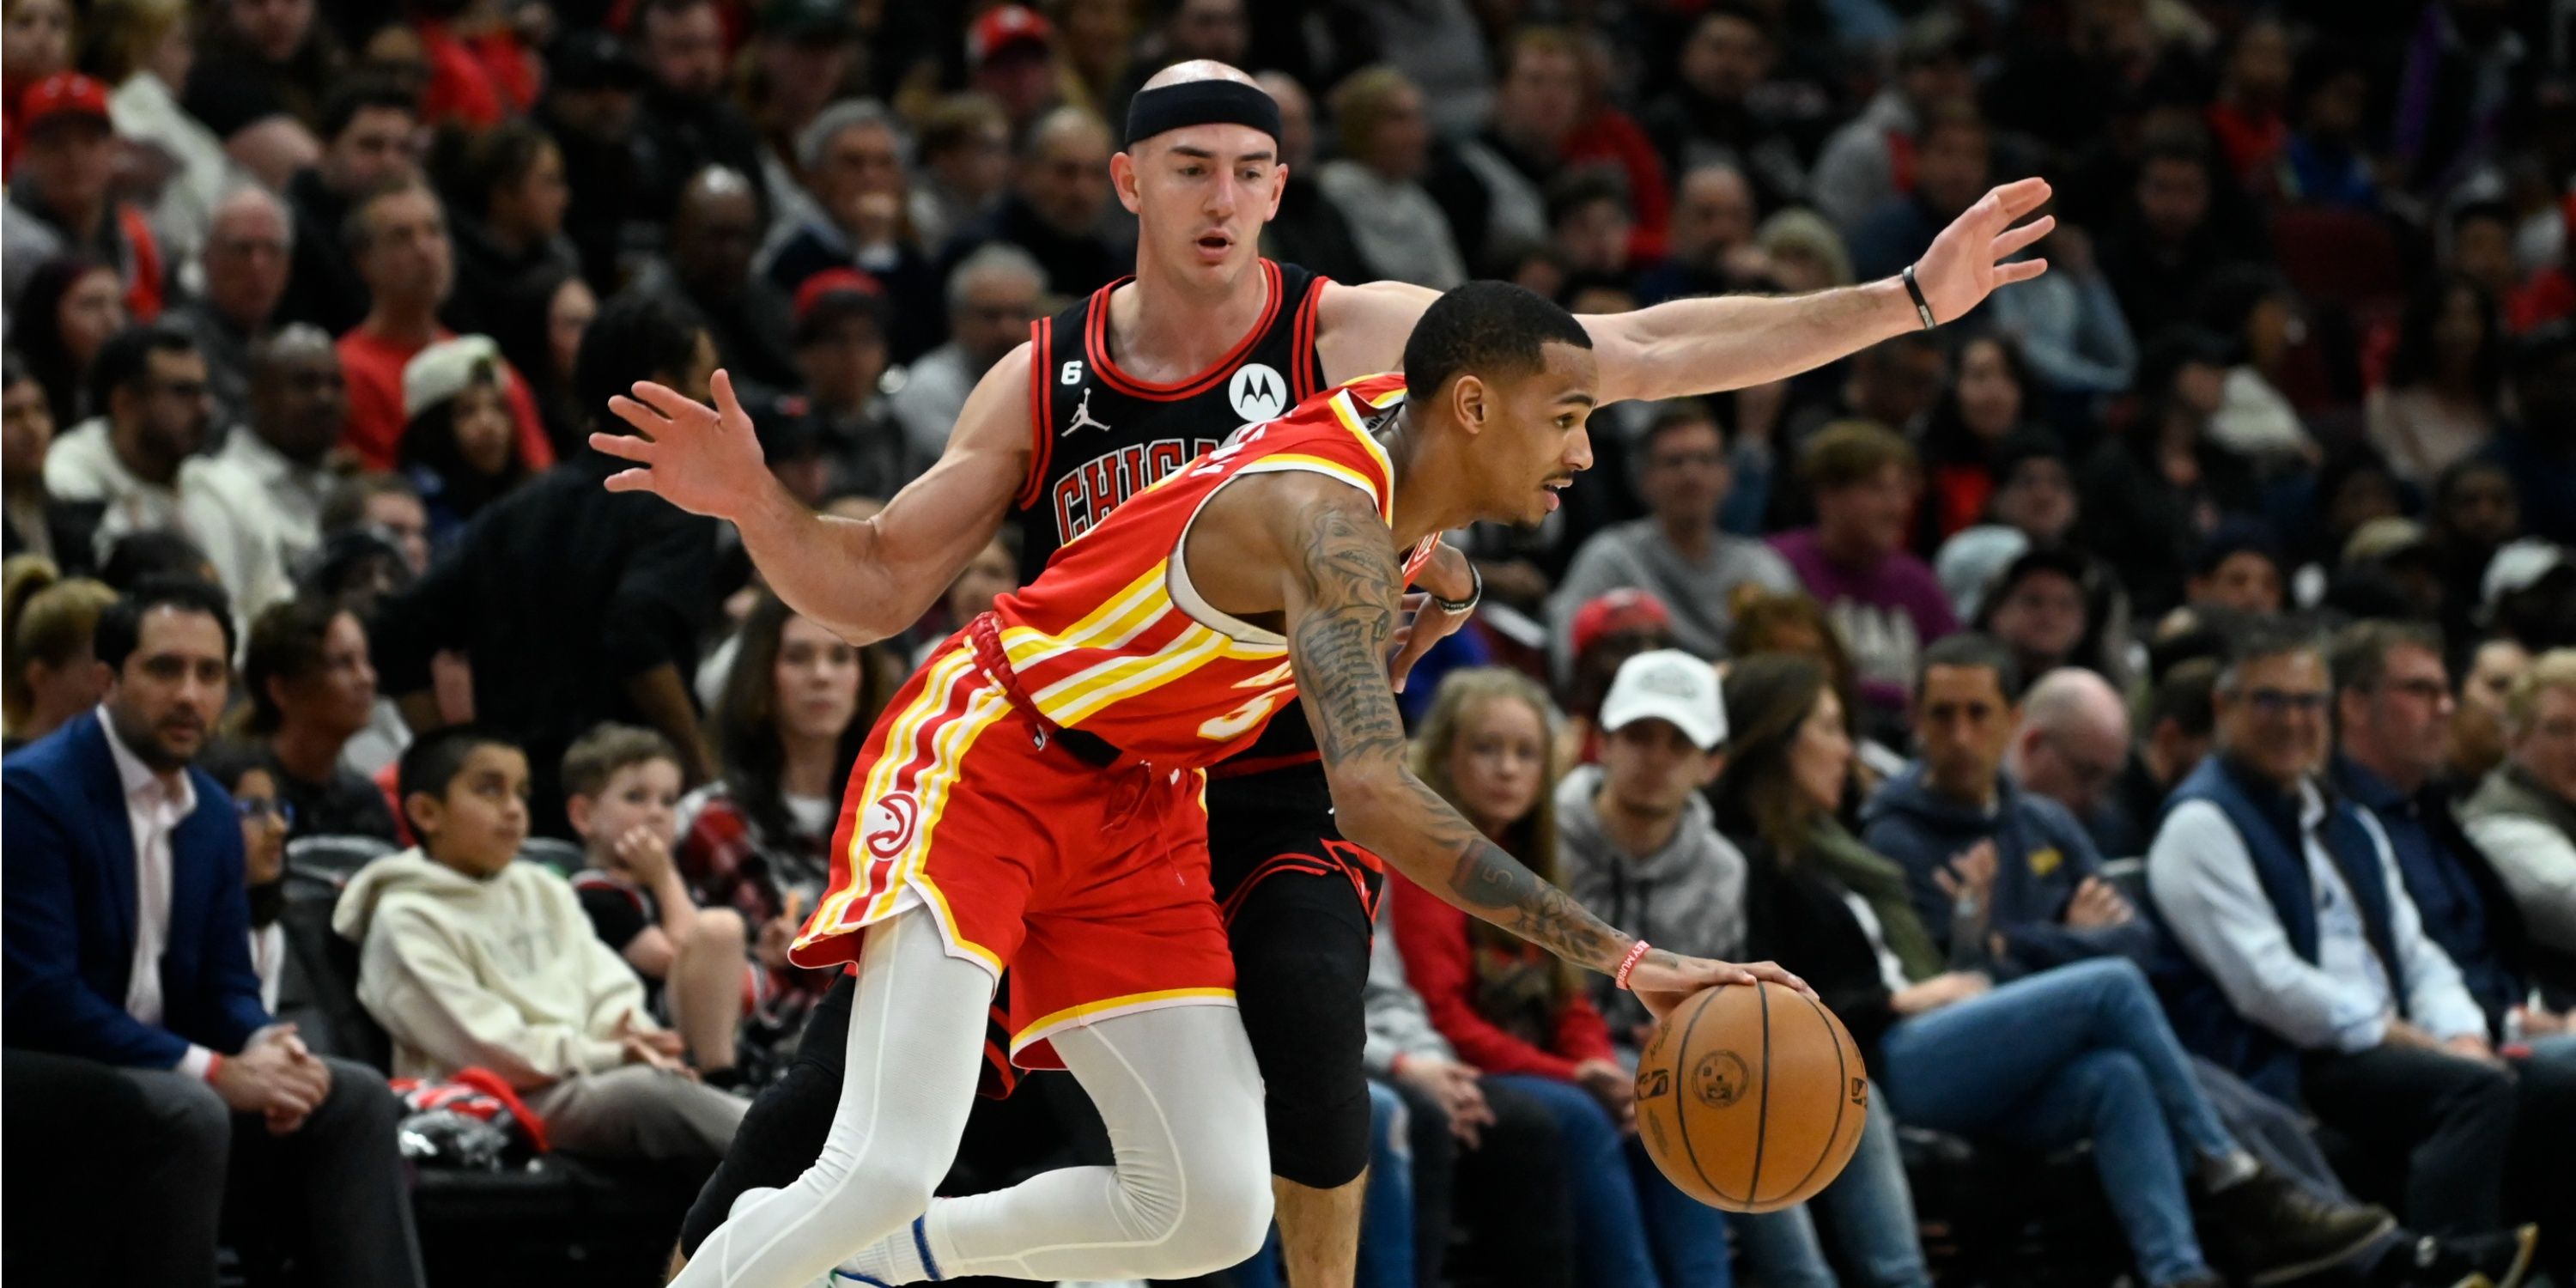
(480, 80)
(1439, 961)
(373, 367)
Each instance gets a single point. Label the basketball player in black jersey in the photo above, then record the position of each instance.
(1130, 384)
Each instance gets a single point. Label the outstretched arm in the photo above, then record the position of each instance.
(1705, 345)
(1342, 589)
(864, 579)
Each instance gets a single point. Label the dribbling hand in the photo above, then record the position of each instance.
(705, 460)
(1664, 980)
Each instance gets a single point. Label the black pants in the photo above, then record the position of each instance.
(1507, 1193)
(87, 1175)
(1297, 901)
(2541, 1184)
(2449, 1120)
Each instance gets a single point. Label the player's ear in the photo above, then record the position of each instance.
(1469, 400)
(1122, 180)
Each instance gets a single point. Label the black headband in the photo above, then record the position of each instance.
(1201, 102)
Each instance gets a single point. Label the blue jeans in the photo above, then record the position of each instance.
(2076, 1053)
(1872, 1208)
(1386, 1207)
(1611, 1242)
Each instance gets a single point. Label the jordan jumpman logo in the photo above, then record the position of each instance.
(1082, 418)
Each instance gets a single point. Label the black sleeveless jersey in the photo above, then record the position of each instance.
(1101, 435)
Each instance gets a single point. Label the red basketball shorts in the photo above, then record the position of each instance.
(1089, 884)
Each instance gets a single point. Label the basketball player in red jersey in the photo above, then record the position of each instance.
(1048, 438)
(1029, 801)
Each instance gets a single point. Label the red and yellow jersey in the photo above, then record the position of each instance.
(1115, 641)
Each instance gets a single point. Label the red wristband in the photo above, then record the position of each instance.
(214, 1065)
(1636, 953)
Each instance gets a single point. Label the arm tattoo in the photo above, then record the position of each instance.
(1338, 647)
(1487, 881)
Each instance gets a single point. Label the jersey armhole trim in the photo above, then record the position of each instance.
(1176, 576)
(1309, 375)
(1041, 415)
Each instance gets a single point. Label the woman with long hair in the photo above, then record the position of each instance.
(1986, 399)
(796, 708)
(1521, 1016)
(2080, 1052)
(71, 305)
(2445, 390)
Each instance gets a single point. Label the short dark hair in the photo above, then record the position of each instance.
(120, 628)
(1972, 650)
(142, 555)
(2264, 636)
(126, 359)
(2184, 698)
(345, 506)
(356, 233)
(285, 644)
(473, 167)
(1492, 328)
(2185, 144)
(360, 92)
(1672, 414)
(2489, 210)
(434, 759)
(597, 756)
(2357, 656)
(1573, 189)
(635, 337)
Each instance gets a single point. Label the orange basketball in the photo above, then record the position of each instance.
(1751, 1099)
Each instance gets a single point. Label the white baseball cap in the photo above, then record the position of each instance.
(2518, 566)
(1671, 685)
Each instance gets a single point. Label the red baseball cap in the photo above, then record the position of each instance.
(1616, 611)
(61, 95)
(1001, 28)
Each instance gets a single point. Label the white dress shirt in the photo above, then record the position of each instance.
(155, 809)
(2203, 881)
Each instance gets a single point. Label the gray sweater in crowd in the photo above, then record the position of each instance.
(1636, 554)
(1687, 897)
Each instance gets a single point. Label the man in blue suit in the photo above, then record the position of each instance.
(127, 946)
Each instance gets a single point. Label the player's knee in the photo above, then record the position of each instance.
(1320, 1141)
(875, 1185)
(718, 930)
(1224, 1218)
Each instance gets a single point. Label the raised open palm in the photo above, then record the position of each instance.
(1966, 262)
(705, 460)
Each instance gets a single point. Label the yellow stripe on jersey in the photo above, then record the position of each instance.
(947, 750)
(1120, 618)
(1069, 700)
(931, 701)
(1277, 462)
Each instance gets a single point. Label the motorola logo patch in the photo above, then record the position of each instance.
(1257, 392)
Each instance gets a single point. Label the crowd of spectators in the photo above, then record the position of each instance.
(2144, 707)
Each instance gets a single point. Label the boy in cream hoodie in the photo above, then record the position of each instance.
(471, 958)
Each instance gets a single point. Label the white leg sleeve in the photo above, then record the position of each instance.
(916, 1046)
(1190, 1193)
